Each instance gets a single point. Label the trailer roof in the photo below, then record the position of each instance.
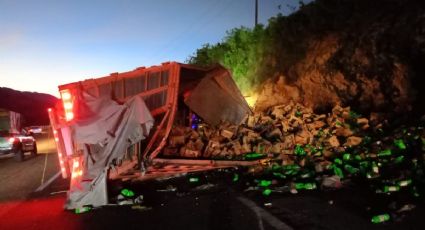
(137, 71)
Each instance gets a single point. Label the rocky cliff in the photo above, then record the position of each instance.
(365, 54)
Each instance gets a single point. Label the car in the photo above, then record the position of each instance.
(35, 129)
(17, 144)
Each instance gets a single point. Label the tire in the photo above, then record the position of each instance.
(34, 150)
(19, 155)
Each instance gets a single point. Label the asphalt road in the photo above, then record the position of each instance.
(190, 207)
(19, 179)
(213, 202)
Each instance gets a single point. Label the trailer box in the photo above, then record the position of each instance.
(114, 127)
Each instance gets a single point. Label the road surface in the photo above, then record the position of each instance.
(214, 202)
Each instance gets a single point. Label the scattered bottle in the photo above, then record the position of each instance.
(400, 144)
(83, 210)
(267, 192)
(306, 186)
(346, 157)
(279, 175)
(253, 156)
(385, 153)
(193, 179)
(264, 183)
(391, 188)
(351, 169)
(235, 177)
(380, 218)
(399, 159)
(299, 151)
(127, 193)
(338, 172)
(404, 183)
(338, 161)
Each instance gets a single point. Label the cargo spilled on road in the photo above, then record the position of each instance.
(162, 122)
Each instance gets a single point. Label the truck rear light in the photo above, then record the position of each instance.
(68, 104)
(69, 116)
(66, 95)
(77, 170)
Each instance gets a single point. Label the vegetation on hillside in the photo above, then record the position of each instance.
(375, 38)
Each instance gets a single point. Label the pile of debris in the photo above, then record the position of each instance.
(305, 151)
(276, 132)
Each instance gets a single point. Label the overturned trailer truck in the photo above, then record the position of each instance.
(115, 127)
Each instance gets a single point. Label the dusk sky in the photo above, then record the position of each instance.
(50, 42)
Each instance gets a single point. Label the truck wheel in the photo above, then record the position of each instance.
(19, 155)
(34, 150)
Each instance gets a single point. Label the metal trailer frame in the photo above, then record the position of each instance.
(160, 90)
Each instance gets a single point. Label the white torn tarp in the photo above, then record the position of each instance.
(103, 132)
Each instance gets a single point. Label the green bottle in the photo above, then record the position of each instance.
(82, 210)
(338, 161)
(290, 172)
(404, 183)
(127, 193)
(276, 167)
(346, 157)
(267, 192)
(299, 151)
(264, 183)
(400, 144)
(280, 175)
(306, 186)
(291, 167)
(364, 164)
(391, 188)
(307, 175)
(358, 158)
(338, 172)
(193, 179)
(380, 218)
(310, 186)
(351, 169)
(253, 156)
(385, 153)
(399, 159)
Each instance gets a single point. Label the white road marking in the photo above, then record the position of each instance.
(48, 182)
(264, 215)
(44, 169)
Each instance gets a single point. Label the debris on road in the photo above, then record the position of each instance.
(82, 210)
(300, 150)
(380, 218)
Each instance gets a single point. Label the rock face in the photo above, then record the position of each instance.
(368, 58)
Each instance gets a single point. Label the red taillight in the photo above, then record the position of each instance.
(68, 104)
(66, 95)
(12, 139)
(77, 170)
(61, 156)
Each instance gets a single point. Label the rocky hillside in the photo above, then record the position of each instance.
(33, 106)
(365, 54)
